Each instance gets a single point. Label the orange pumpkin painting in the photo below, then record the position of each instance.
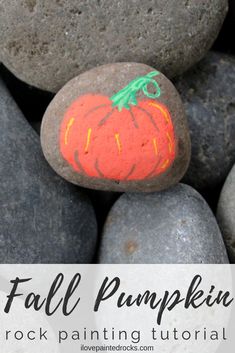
(121, 138)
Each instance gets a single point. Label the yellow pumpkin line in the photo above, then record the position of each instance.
(165, 164)
(170, 142)
(117, 138)
(70, 123)
(88, 139)
(155, 146)
(162, 110)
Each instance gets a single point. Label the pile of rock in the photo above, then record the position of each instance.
(116, 124)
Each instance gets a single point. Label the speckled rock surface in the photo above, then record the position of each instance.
(172, 226)
(46, 43)
(208, 91)
(141, 144)
(42, 218)
(226, 213)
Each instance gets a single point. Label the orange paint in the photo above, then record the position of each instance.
(155, 146)
(145, 143)
(170, 142)
(70, 123)
(88, 139)
(165, 164)
(118, 143)
(164, 112)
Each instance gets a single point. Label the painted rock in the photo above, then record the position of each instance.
(226, 213)
(117, 127)
(43, 219)
(208, 92)
(46, 43)
(172, 226)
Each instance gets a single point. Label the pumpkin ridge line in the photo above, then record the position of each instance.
(155, 146)
(169, 142)
(156, 165)
(105, 118)
(77, 161)
(89, 131)
(96, 108)
(118, 142)
(165, 163)
(101, 175)
(68, 127)
(133, 119)
(149, 116)
(164, 112)
(130, 172)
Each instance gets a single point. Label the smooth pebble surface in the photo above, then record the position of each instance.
(226, 213)
(46, 43)
(208, 93)
(42, 218)
(172, 226)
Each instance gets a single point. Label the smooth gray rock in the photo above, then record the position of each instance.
(173, 226)
(42, 218)
(46, 43)
(208, 93)
(226, 213)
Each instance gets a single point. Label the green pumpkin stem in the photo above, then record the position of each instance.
(127, 96)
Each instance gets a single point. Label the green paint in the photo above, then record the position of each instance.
(127, 96)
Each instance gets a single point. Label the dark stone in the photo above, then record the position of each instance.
(42, 218)
(232, 9)
(172, 226)
(208, 93)
(225, 41)
(37, 126)
(31, 101)
(226, 213)
(102, 202)
(80, 128)
(46, 43)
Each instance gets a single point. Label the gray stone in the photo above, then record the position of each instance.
(226, 213)
(208, 91)
(172, 226)
(46, 43)
(42, 218)
(92, 141)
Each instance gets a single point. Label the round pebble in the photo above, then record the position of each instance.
(208, 93)
(46, 43)
(226, 213)
(43, 219)
(118, 127)
(172, 226)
